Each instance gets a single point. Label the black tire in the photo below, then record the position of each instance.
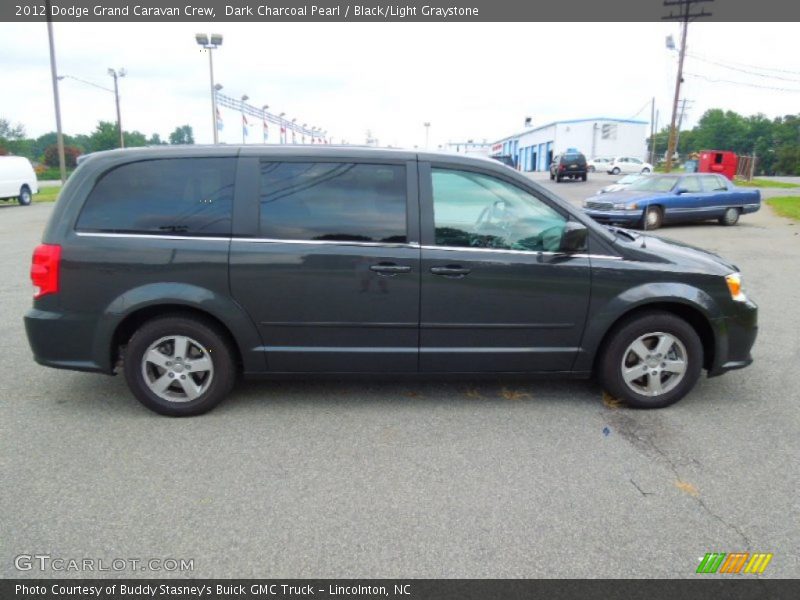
(552, 177)
(25, 196)
(730, 217)
(558, 178)
(614, 351)
(615, 171)
(645, 171)
(584, 177)
(214, 343)
(652, 219)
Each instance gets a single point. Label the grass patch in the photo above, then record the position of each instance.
(765, 183)
(786, 206)
(47, 194)
(52, 174)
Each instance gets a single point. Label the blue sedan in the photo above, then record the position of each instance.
(658, 199)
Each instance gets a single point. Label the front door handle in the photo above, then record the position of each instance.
(388, 269)
(454, 271)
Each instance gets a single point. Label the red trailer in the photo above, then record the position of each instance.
(723, 162)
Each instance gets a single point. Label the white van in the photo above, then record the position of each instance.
(17, 179)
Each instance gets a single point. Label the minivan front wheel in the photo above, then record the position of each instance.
(652, 360)
(179, 366)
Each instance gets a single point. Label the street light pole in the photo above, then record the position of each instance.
(427, 131)
(53, 72)
(209, 44)
(117, 74)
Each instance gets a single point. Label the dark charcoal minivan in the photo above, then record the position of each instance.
(187, 266)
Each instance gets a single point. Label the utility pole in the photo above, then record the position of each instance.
(62, 165)
(116, 75)
(684, 14)
(652, 131)
(680, 123)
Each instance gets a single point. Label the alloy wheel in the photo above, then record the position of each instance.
(654, 364)
(177, 368)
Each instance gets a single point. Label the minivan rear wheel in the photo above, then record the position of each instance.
(179, 366)
(651, 360)
(24, 196)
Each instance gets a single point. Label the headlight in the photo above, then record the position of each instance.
(734, 281)
(624, 206)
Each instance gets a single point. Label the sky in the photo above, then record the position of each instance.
(469, 80)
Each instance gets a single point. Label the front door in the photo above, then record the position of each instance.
(332, 278)
(497, 296)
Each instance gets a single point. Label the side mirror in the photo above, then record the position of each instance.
(681, 190)
(573, 239)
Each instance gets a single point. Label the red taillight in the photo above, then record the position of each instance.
(561, 167)
(44, 269)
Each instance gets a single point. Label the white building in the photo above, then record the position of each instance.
(533, 148)
(469, 147)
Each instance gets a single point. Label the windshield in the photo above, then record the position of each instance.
(654, 184)
(630, 178)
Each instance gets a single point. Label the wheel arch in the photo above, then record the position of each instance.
(690, 313)
(128, 326)
(128, 311)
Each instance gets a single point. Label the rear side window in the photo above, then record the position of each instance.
(185, 196)
(348, 202)
(713, 183)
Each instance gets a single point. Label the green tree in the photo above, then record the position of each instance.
(155, 140)
(182, 135)
(104, 137)
(135, 139)
(721, 130)
(9, 131)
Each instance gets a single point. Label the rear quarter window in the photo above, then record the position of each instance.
(181, 196)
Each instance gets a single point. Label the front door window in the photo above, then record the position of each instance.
(478, 211)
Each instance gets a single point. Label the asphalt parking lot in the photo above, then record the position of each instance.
(487, 479)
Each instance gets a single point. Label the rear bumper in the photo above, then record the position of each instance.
(735, 336)
(64, 341)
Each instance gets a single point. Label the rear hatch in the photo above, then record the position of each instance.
(573, 163)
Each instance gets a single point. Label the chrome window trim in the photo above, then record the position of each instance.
(522, 252)
(327, 242)
(157, 236)
(152, 236)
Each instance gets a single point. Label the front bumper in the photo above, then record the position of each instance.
(628, 217)
(735, 334)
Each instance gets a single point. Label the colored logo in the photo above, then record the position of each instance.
(734, 562)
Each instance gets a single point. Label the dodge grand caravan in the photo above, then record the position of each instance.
(186, 267)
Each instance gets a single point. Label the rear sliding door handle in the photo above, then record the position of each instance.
(389, 269)
(454, 271)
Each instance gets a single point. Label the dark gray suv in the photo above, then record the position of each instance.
(184, 267)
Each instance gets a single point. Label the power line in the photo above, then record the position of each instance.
(719, 64)
(748, 66)
(638, 112)
(754, 85)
